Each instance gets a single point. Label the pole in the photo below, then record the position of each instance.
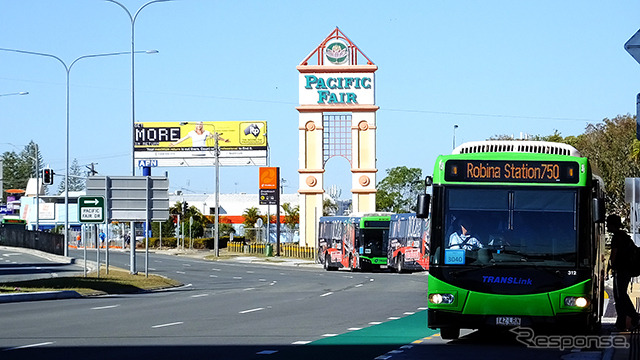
(37, 189)
(132, 250)
(84, 245)
(95, 235)
(278, 212)
(216, 235)
(133, 82)
(146, 233)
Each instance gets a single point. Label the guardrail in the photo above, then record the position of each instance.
(286, 250)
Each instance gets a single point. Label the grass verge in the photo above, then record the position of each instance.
(117, 282)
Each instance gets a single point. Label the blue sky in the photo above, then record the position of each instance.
(491, 67)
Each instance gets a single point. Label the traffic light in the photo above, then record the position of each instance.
(47, 176)
(185, 206)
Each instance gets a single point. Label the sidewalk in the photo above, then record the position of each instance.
(633, 337)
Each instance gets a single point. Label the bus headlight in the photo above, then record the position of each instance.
(577, 301)
(441, 298)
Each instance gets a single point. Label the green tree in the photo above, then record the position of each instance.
(292, 215)
(329, 207)
(76, 178)
(610, 148)
(251, 215)
(18, 168)
(398, 191)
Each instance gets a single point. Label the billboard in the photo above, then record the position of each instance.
(192, 143)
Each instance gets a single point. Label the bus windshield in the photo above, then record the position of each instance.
(374, 242)
(507, 226)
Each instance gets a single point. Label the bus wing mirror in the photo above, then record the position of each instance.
(424, 201)
(598, 210)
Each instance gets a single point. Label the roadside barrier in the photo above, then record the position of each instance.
(286, 250)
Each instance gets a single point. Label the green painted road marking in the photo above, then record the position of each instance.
(401, 331)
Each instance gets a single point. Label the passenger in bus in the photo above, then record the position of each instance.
(462, 237)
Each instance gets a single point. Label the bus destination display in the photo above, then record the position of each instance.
(512, 171)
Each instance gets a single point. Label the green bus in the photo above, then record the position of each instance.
(357, 242)
(13, 223)
(517, 238)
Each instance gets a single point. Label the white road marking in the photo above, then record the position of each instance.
(327, 294)
(165, 325)
(250, 310)
(29, 346)
(104, 307)
(248, 289)
(213, 276)
(359, 285)
(199, 295)
(393, 318)
(237, 277)
(375, 323)
(409, 313)
(180, 272)
(329, 335)
(354, 329)
(300, 342)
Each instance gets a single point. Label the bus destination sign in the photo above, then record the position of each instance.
(515, 171)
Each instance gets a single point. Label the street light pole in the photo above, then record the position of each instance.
(16, 93)
(133, 83)
(67, 69)
(454, 135)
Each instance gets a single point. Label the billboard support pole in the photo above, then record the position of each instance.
(216, 235)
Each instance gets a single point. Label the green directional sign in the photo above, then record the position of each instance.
(91, 209)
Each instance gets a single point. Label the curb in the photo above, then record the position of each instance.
(35, 296)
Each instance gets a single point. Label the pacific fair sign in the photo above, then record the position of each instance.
(336, 88)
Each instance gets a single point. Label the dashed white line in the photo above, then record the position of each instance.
(327, 294)
(250, 310)
(375, 323)
(29, 346)
(248, 289)
(359, 285)
(104, 307)
(393, 318)
(168, 324)
(180, 272)
(300, 342)
(354, 329)
(237, 277)
(199, 295)
(329, 335)
(409, 313)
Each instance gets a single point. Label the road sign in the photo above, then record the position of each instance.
(268, 178)
(91, 209)
(132, 198)
(633, 46)
(269, 196)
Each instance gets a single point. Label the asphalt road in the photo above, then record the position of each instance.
(240, 310)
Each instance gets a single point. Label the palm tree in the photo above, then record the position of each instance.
(251, 215)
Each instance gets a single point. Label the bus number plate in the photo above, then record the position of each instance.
(508, 321)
